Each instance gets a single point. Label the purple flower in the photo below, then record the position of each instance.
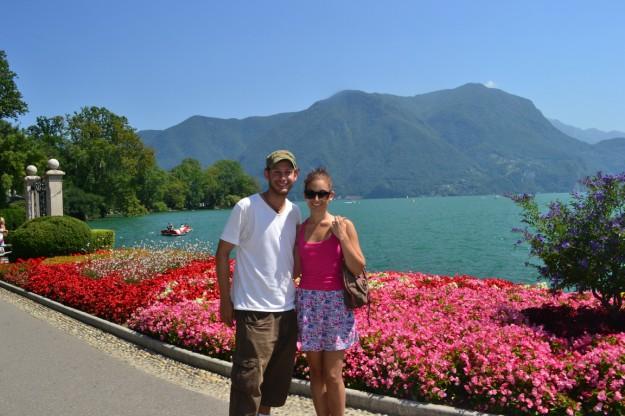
(594, 246)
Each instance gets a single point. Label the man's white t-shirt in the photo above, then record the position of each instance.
(263, 274)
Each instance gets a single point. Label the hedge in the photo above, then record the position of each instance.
(50, 236)
(102, 239)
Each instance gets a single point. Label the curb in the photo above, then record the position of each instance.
(354, 398)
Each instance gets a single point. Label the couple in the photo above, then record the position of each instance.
(273, 247)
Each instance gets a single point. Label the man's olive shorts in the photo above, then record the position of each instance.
(264, 356)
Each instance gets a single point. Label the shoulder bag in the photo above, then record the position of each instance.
(355, 288)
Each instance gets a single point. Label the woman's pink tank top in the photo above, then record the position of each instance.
(321, 263)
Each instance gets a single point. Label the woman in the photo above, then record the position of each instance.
(3, 230)
(326, 327)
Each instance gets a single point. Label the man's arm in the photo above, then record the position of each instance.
(226, 310)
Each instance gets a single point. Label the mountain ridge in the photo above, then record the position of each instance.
(466, 140)
(591, 135)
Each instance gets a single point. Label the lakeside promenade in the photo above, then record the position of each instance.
(51, 364)
(44, 370)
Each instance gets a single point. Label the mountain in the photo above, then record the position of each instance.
(467, 140)
(586, 135)
(207, 139)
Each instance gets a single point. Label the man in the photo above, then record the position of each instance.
(262, 298)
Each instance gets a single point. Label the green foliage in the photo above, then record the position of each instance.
(108, 169)
(107, 158)
(82, 205)
(151, 188)
(13, 217)
(582, 244)
(50, 236)
(189, 172)
(11, 104)
(16, 152)
(159, 206)
(225, 183)
(175, 193)
(102, 239)
(220, 186)
(51, 133)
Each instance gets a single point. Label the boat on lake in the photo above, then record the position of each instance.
(171, 231)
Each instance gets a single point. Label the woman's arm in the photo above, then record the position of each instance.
(345, 231)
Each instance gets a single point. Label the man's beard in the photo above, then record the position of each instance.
(279, 190)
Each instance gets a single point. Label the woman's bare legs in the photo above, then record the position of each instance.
(326, 382)
(333, 376)
(317, 382)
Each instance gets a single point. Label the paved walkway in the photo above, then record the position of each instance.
(46, 371)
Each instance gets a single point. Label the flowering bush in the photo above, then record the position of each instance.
(488, 345)
(582, 245)
(191, 324)
(115, 284)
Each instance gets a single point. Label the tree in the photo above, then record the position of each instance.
(82, 205)
(11, 104)
(225, 183)
(189, 171)
(17, 151)
(51, 133)
(152, 186)
(106, 157)
(582, 244)
(175, 191)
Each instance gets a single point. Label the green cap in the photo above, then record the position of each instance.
(278, 156)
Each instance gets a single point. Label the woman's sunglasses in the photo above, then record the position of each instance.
(311, 194)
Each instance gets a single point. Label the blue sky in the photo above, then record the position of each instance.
(160, 62)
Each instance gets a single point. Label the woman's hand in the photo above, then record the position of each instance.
(339, 228)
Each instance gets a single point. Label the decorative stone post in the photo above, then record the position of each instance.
(54, 184)
(30, 194)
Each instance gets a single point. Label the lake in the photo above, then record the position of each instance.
(442, 235)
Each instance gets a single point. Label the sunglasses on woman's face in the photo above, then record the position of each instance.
(311, 194)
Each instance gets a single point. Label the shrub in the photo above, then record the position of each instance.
(102, 239)
(13, 216)
(582, 244)
(159, 206)
(50, 236)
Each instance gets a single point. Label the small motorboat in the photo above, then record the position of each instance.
(174, 232)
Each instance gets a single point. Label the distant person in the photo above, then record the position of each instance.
(3, 231)
(263, 228)
(326, 327)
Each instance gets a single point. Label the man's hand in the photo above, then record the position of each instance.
(226, 311)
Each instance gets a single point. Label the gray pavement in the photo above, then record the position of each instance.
(46, 371)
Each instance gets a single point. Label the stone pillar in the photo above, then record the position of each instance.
(54, 184)
(30, 194)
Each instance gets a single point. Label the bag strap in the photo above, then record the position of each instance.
(364, 272)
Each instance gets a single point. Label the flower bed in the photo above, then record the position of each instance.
(487, 344)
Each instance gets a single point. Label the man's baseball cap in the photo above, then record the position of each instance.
(278, 156)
